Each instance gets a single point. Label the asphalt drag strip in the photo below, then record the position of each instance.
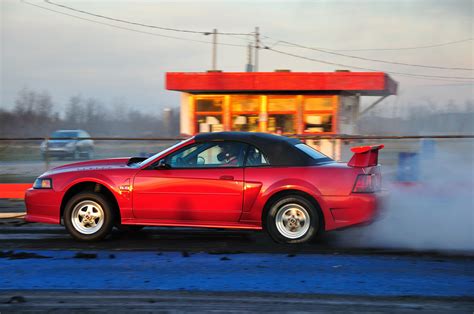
(198, 302)
(18, 234)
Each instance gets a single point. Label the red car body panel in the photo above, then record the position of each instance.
(207, 197)
(189, 194)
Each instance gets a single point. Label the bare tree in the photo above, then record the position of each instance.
(74, 111)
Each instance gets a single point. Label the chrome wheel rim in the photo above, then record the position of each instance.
(87, 217)
(292, 221)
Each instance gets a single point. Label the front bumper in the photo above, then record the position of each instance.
(58, 152)
(355, 209)
(43, 205)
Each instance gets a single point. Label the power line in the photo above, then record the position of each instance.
(139, 24)
(453, 78)
(130, 29)
(278, 42)
(432, 77)
(373, 60)
(410, 48)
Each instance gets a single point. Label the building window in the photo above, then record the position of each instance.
(245, 122)
(245, 103)
(281, 123)
(209, 114)
(317, 123)
(286, 103)
(318, 114)
(209, 104)
(209, 123)
(318, 103)
(245, 113)
(282, 114)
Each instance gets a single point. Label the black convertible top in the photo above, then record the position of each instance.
(280, 150)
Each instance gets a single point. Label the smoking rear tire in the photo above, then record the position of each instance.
(292, 219)
(88, 216)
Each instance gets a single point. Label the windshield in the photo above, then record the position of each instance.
(159, 154)
(313, 153)
(64, 134)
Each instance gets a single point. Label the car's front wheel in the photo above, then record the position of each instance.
(88, 216)
(292, 219)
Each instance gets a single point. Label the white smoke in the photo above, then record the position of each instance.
(435, 213)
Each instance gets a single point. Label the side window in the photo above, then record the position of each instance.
(211, 154)
(85, 135)
(255, 158)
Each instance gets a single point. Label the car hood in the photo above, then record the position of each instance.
(102, 164)
(61, 140)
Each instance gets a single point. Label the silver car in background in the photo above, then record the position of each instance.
(75, 144)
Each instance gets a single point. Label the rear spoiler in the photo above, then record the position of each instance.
(365, 156)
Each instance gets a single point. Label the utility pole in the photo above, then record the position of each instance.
(214, 49)
(249, 67)
(257, 46)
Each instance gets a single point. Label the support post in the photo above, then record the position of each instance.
(257, 46)
(214, 49)
(372, 105)
(249, 67)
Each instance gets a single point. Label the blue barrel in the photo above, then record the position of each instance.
(408, 167)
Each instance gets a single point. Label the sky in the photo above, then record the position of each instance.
(66, 56)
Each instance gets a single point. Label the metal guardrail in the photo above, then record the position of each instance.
(300, 136)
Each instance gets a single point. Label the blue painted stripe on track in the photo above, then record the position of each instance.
(315, 273)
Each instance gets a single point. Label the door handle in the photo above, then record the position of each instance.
(226, 178)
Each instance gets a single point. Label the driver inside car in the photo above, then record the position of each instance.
(228, 155)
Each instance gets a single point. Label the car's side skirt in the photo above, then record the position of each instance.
(163, 223)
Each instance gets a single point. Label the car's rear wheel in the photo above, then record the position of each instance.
(88, 216)
(292, 219)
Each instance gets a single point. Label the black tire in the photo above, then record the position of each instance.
(303, 207)
(80, 201)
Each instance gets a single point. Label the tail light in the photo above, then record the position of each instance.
(368, 183)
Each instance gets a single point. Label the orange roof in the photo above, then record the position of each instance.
(365, 83)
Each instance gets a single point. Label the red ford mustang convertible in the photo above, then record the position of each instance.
(216, 180)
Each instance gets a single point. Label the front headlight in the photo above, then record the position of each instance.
(43, 183)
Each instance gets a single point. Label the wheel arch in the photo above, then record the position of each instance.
(90, 186)
(286, 192)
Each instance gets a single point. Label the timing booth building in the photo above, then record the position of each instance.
(281, 102)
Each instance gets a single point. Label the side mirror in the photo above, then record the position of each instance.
(162, 165)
